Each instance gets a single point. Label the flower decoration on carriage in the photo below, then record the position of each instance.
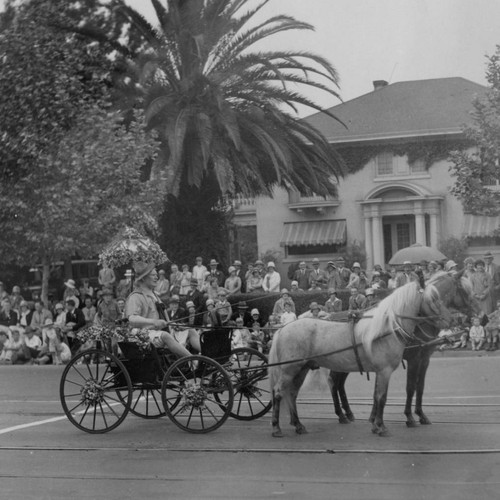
(95, 333)
(131, 246)
(138, 336)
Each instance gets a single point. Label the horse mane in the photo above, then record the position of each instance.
(385, 315)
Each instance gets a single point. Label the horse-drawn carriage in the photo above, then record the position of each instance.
(101, 385)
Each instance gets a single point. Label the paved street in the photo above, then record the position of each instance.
(44, 456)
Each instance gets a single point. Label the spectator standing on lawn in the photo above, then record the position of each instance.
(254, 284)
(215, 273)
(354, 278)
(294, 288)
(332, 276)
(481, 286)
(344, 272)
(185, 280)
(175, 279)
(194, 295)
(377, 282)
(124, 286)
(240, 274)
(301, 276)
(493, 271)
(199, 272)
(233, 283)
(469, 267)
(272, 279)
(106, 277)
(317, 274)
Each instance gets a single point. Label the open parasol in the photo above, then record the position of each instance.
(415, 254)
(131, 246)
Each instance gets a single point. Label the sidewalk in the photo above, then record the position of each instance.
(461, 353)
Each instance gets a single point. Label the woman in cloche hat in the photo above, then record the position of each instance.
(144, 309)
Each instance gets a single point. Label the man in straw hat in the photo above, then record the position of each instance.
(144, 309)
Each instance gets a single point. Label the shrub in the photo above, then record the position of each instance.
(455, 249)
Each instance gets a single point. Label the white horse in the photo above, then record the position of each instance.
(380, 337)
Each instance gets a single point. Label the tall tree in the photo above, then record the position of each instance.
(222, 107)
(70, 169)
(225, 110)
(480, 168)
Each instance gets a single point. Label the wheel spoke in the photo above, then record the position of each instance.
(75, 407)
(156, 402)
(93, 421)
(138, 399)
(190, 415)
(103, 416)
(74, 383)
(201, 417)
(80, 373)
(84, 413)
(111, 408)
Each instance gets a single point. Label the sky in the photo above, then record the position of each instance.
(392, 40)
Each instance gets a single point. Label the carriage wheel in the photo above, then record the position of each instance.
(88, 391)
(146, 401)
(197, 394)
(252, 396)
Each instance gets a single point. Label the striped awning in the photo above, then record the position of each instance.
(326, 232)
(479, 225)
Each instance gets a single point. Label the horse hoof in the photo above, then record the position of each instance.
(411, 423)
(384, 433)
(277, 434)
(301, 430)
(343, 419)
(425, 421)
(350, 417)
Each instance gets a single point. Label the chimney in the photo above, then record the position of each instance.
(378, 84)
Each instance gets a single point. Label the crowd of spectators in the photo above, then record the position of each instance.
(196, 298)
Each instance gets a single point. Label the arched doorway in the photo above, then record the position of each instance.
(396, 216)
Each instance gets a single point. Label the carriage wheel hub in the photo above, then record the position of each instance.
(92, 392)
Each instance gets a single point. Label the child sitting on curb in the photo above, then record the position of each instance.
(477, 334)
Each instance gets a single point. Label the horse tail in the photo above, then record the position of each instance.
(274, 371)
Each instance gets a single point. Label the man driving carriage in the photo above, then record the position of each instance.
(144, 309)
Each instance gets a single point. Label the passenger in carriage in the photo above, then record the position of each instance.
(144, 309)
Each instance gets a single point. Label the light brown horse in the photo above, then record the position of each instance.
(381, 339)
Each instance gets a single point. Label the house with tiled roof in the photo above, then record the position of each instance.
(395, 141)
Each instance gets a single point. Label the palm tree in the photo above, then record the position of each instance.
(222, 107)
